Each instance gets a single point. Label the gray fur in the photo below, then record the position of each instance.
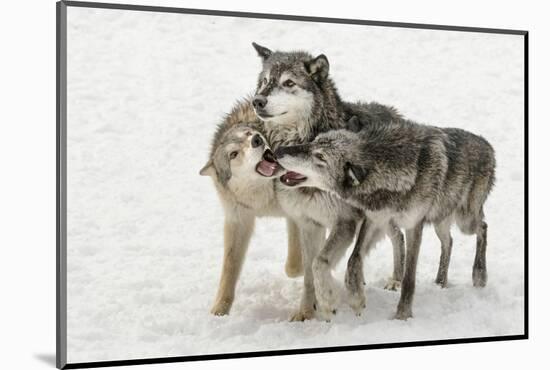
(310, 74)
(313, 106)
(245, 195)
(408, 174)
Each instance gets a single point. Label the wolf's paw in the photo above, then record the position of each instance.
(294, 269)
(327, 298)
(392, 284)
(221, 307)
(479, 277)
(441, 281)
(303, 315)
(358, 302)
(326, 312)
(403, 314)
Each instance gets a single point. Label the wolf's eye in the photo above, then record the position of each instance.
(288, 83)
(320, 157)
(264, 81)
(233, 154)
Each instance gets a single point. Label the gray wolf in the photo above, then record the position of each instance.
(242, 167)
(408, 174)
(296, 100)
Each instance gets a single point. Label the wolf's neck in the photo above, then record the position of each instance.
(289, 132)
(328, 111)
(252, 194)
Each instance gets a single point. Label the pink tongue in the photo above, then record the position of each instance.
(294, 175)
(267, 168)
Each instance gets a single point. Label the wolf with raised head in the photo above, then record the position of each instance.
(297, 100)
(408, 174)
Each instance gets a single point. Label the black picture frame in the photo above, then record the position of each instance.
(61, 184)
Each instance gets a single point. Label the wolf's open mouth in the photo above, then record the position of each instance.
(268, 165)
(292, 178)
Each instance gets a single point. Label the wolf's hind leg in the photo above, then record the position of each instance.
(237, 233)
(294, 266)
(398, 243)
(479, 271)
(339, 239)
(443, 232)
(472, 223)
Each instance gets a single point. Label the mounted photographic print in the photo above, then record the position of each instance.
(238, 184)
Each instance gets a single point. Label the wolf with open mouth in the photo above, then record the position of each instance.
(405, 173)
(243, 168)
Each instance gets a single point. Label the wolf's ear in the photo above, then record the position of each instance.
(318, 68)
(262, 51)
(353, 124)
(354, 175)
(208, 169)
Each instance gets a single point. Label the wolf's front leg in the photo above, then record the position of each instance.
(340, 237)
(311, 237)
(414, 238)
(294, 266)
(398, 244)
(237, 231)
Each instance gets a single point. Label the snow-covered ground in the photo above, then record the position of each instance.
(145, 92)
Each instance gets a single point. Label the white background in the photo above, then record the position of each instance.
(28, 186)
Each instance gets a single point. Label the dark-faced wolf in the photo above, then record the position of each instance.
(408, 174)
(296, 100)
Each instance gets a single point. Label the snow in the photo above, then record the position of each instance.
(145, 91)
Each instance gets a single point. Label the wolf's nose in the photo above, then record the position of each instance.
(256, 141)
(259, 102)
